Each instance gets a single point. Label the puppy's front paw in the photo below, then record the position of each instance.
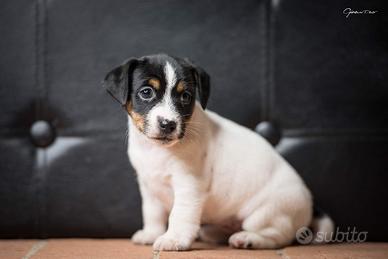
(170, 242)
(143, 237)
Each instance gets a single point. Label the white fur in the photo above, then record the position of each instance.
(325, 226)
(220, 174)
(170, 75)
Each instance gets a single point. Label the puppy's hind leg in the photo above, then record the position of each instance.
(257, 234)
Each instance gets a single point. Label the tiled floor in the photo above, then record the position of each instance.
(121, 248)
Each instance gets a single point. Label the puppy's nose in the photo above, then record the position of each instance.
(167, 126)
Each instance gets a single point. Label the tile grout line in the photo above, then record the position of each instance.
(34, 249)
(282, 254)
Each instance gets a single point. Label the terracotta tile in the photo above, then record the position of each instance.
(119, 248)
(361, 250)
(10, 249)
(206, 251)
(123, 248)
(93, 249)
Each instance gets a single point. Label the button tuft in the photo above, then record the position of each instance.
(269, 131)
(42, 133)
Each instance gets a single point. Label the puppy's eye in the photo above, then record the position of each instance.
(146, 93)
(186, 98)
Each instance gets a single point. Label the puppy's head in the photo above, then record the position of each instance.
(159, 93)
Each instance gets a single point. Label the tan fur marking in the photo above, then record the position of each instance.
(137, 119)
(129, 107)
(180, 87)
(155, 83)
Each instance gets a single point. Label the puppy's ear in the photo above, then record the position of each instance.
(203, 83)
(118, 82)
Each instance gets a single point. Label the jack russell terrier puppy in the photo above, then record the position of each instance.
(200, 174)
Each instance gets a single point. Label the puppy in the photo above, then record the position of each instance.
(199, 173)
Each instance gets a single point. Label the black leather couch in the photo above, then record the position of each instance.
(318, 78)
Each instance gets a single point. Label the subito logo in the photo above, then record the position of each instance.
(304, 236)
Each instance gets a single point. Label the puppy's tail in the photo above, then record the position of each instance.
(322, 227)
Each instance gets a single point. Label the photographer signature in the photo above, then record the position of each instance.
(348, 11)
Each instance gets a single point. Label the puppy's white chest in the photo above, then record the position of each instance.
(151, 162)
(159, 185)
(152, 168)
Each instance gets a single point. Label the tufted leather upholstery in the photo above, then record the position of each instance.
(313, 74)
